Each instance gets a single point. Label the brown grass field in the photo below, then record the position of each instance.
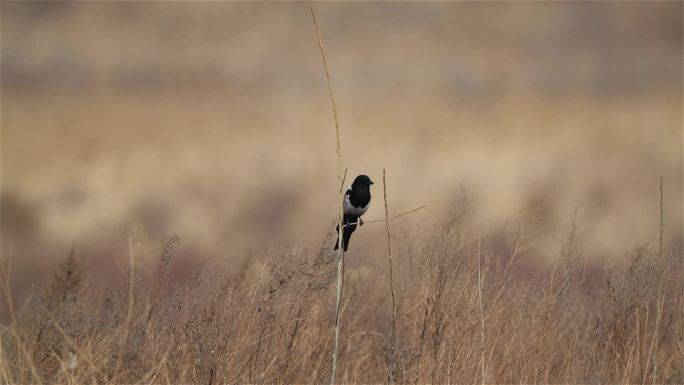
(169, 192)
(271, 323)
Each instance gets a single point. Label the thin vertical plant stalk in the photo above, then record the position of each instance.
(660, 285)
(390, 371)
(340, 248)
(482, 325)
(131, 282)
(131, 302)
(662, 219)
(5, 286)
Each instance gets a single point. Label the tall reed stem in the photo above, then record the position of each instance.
(482, 322)
(390, 371)
(340, 261)
(661, 273)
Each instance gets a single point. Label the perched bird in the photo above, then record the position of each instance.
(356, 203)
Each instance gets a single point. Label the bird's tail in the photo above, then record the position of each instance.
(349, 227)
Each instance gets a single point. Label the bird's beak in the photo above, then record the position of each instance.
(372, 182)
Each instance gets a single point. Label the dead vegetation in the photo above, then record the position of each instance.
(464, 314)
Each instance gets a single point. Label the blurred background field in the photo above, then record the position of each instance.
(211, 121)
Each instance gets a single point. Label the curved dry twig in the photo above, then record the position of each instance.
(393, 217)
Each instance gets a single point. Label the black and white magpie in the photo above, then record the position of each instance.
(356, 203)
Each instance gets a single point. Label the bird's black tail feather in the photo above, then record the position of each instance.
(349, 227)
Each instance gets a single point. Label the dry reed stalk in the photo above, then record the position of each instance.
(651, 350)
(660, 284)
(662, 220)
(625, 373)
(390, 372)
(340, 262)
(5, 286)
(4, 370)
(482, 325)
(129, 312)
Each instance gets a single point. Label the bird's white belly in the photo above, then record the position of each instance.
(351, 210)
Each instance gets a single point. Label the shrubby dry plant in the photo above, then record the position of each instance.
(465, 313)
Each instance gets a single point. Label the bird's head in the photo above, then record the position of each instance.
(362, 182)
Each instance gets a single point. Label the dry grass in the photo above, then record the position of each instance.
(568, 322)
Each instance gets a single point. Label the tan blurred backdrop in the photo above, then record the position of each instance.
(211, 120)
